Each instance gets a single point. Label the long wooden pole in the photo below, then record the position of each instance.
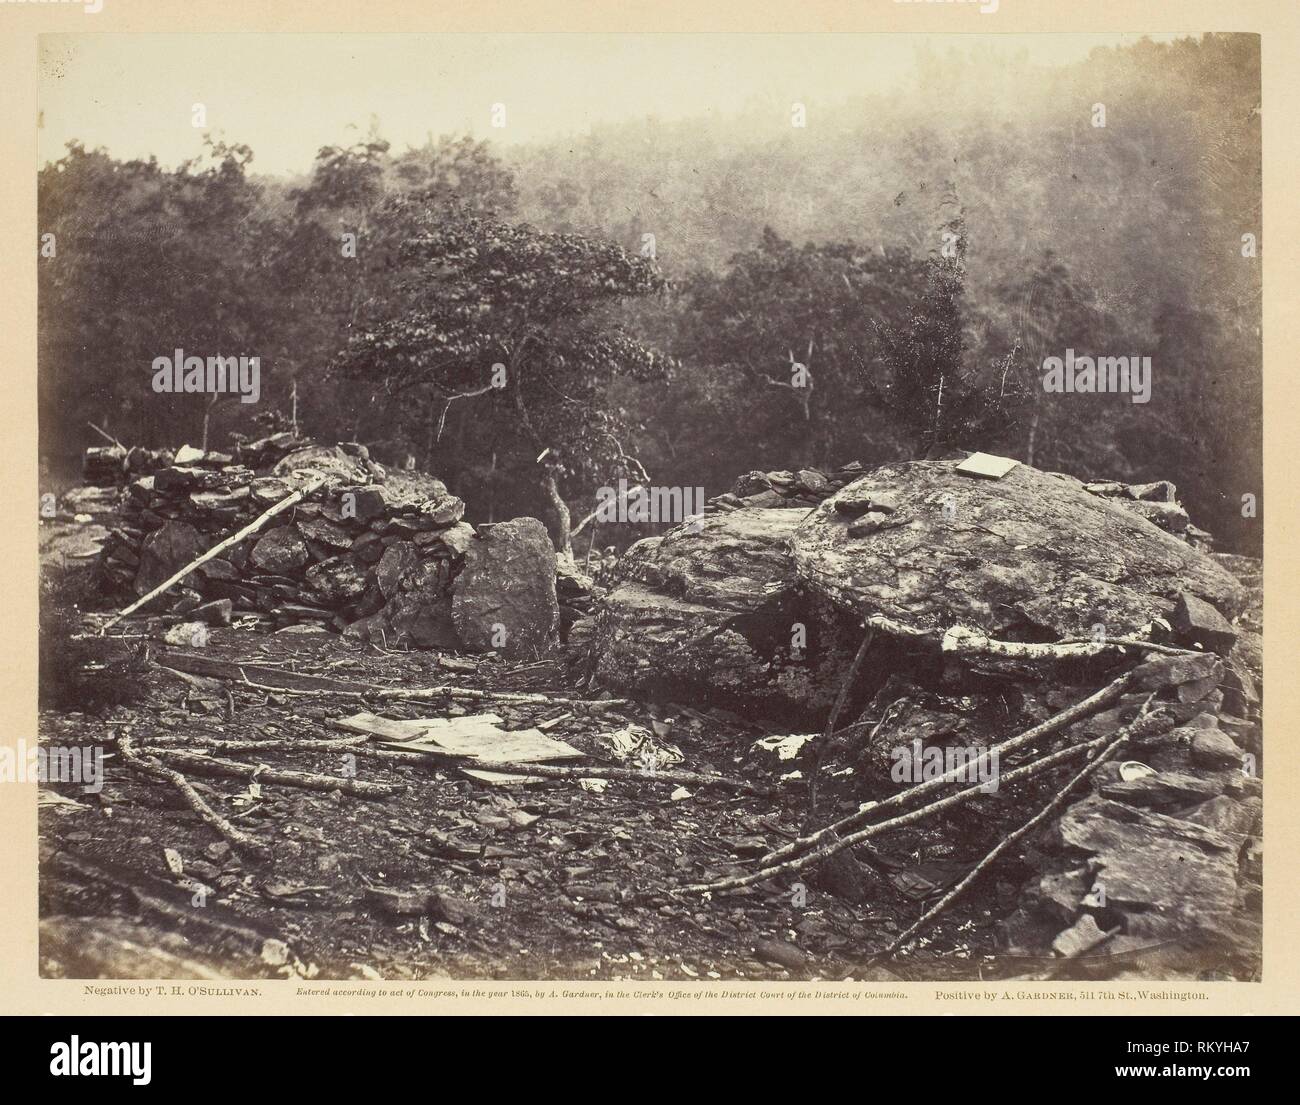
(234, 539)
(1093, 704)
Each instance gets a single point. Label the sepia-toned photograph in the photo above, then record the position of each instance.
(678, 507)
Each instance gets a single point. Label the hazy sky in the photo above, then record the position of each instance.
(288, 95)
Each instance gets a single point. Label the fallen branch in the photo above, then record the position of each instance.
(630, 774)
(838, 844)
(290, 744)
(1094, 703)
(152, 767)
(300, 684)
(207, 765)
(356, 746)
(965, 641)
(234, 539)
(831, 844)
(1042, 815)
(464, 694)
(214, 918)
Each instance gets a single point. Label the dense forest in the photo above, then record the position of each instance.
(684, 302)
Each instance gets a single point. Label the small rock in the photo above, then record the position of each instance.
(189, 600)
(1082, 936)
(452, 910)
(504, 599)
(1226, 816)
(1161, 790)
(337, 579)
(1214, 749)
(166, 551)
(187, 635)
(275, 953)
(1161, 491)
(399, 903)
(874, 523)
(1252, 859)
(280, 550)
(813, 481)
(1170, 517)
(782, 953)
(1165, 671)
(1199, 623)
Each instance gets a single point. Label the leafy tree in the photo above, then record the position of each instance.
(1044, 313)
(513, 321)
(783, 348)
(928, 386)
(144, 262)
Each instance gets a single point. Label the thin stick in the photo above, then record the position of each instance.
(1042, 815)
(150, 766)
(234, 539)
(421, 694)
(849, 679)
(1086, 707)
(235, 672)
(636, 775)
(277, 743)
(209, 765)
(106, 436)
(357, 746)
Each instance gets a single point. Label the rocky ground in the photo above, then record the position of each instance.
(451, 878)
(732, 637)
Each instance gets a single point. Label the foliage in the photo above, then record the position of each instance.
(820, 248)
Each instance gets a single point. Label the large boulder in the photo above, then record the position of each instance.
(1027, 556)
(711, 608)
(165, 552)
(504, 598)
(337, 466)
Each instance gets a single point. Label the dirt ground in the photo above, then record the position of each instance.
(548, 880)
